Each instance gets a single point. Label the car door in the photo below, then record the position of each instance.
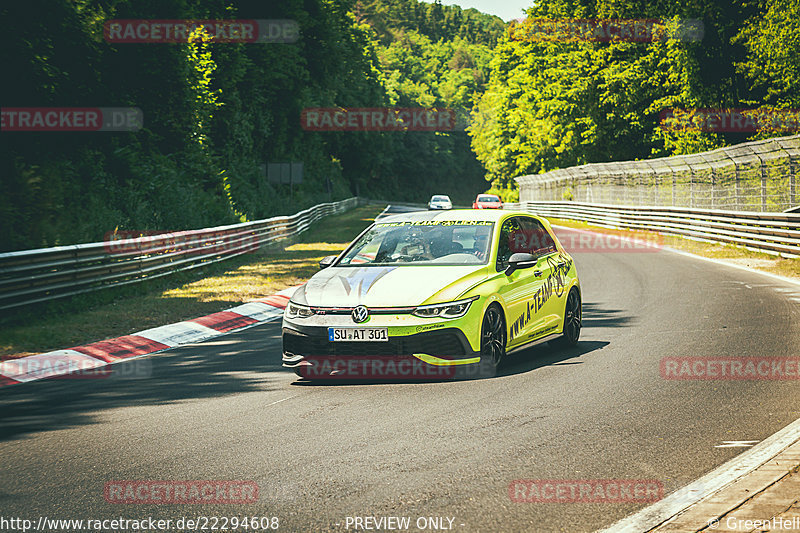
(519, 290)
(547, 303)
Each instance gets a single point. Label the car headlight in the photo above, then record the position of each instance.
(447, 310)
(294, 310)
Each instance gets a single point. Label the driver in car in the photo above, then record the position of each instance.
(479, 248)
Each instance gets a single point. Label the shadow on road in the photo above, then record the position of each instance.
(519, 363)
(545, 355)
(232, 364)
(595, 316)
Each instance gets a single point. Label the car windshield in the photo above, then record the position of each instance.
(441, 199)
(488, 199)
(441, 242)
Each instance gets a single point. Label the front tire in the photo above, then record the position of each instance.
(572, 321)
(493, 339)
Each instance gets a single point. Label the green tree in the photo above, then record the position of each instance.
(772, 64)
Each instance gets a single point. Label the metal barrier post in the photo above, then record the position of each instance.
(763, 184)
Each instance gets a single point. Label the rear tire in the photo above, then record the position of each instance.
(572, 321)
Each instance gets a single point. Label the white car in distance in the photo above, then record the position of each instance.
(440, 201)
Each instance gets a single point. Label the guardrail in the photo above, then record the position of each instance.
(33, 276)
(777, 233)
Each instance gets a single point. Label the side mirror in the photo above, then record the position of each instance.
(327, 261)
(519, 261)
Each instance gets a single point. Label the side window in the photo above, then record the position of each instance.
(522, 235)
(537, 239)
(509, 242)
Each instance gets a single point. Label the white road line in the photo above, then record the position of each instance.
(736, 444)
(711, 483)
(709, 259)
(279, 401)
(732, 265)
(382, 212)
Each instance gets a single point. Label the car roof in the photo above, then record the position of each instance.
(492, 215)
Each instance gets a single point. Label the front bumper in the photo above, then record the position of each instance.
(443, 353)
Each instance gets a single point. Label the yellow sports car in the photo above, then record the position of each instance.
(429, 295)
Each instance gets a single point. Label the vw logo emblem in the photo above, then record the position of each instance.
(360, 314)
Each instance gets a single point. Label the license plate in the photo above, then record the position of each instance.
(358, 334)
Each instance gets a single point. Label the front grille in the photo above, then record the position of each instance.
(446, 342)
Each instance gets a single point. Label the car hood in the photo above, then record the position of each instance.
(387, 286)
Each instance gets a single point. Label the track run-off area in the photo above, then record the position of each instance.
(323, 454)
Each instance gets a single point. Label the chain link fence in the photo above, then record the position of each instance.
(754, 176)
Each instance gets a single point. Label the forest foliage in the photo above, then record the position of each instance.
(559, 103)
(216, 113)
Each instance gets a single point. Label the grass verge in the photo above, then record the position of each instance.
(184, 296)
(725, 252)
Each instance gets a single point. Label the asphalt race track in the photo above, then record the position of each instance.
(226, 410)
